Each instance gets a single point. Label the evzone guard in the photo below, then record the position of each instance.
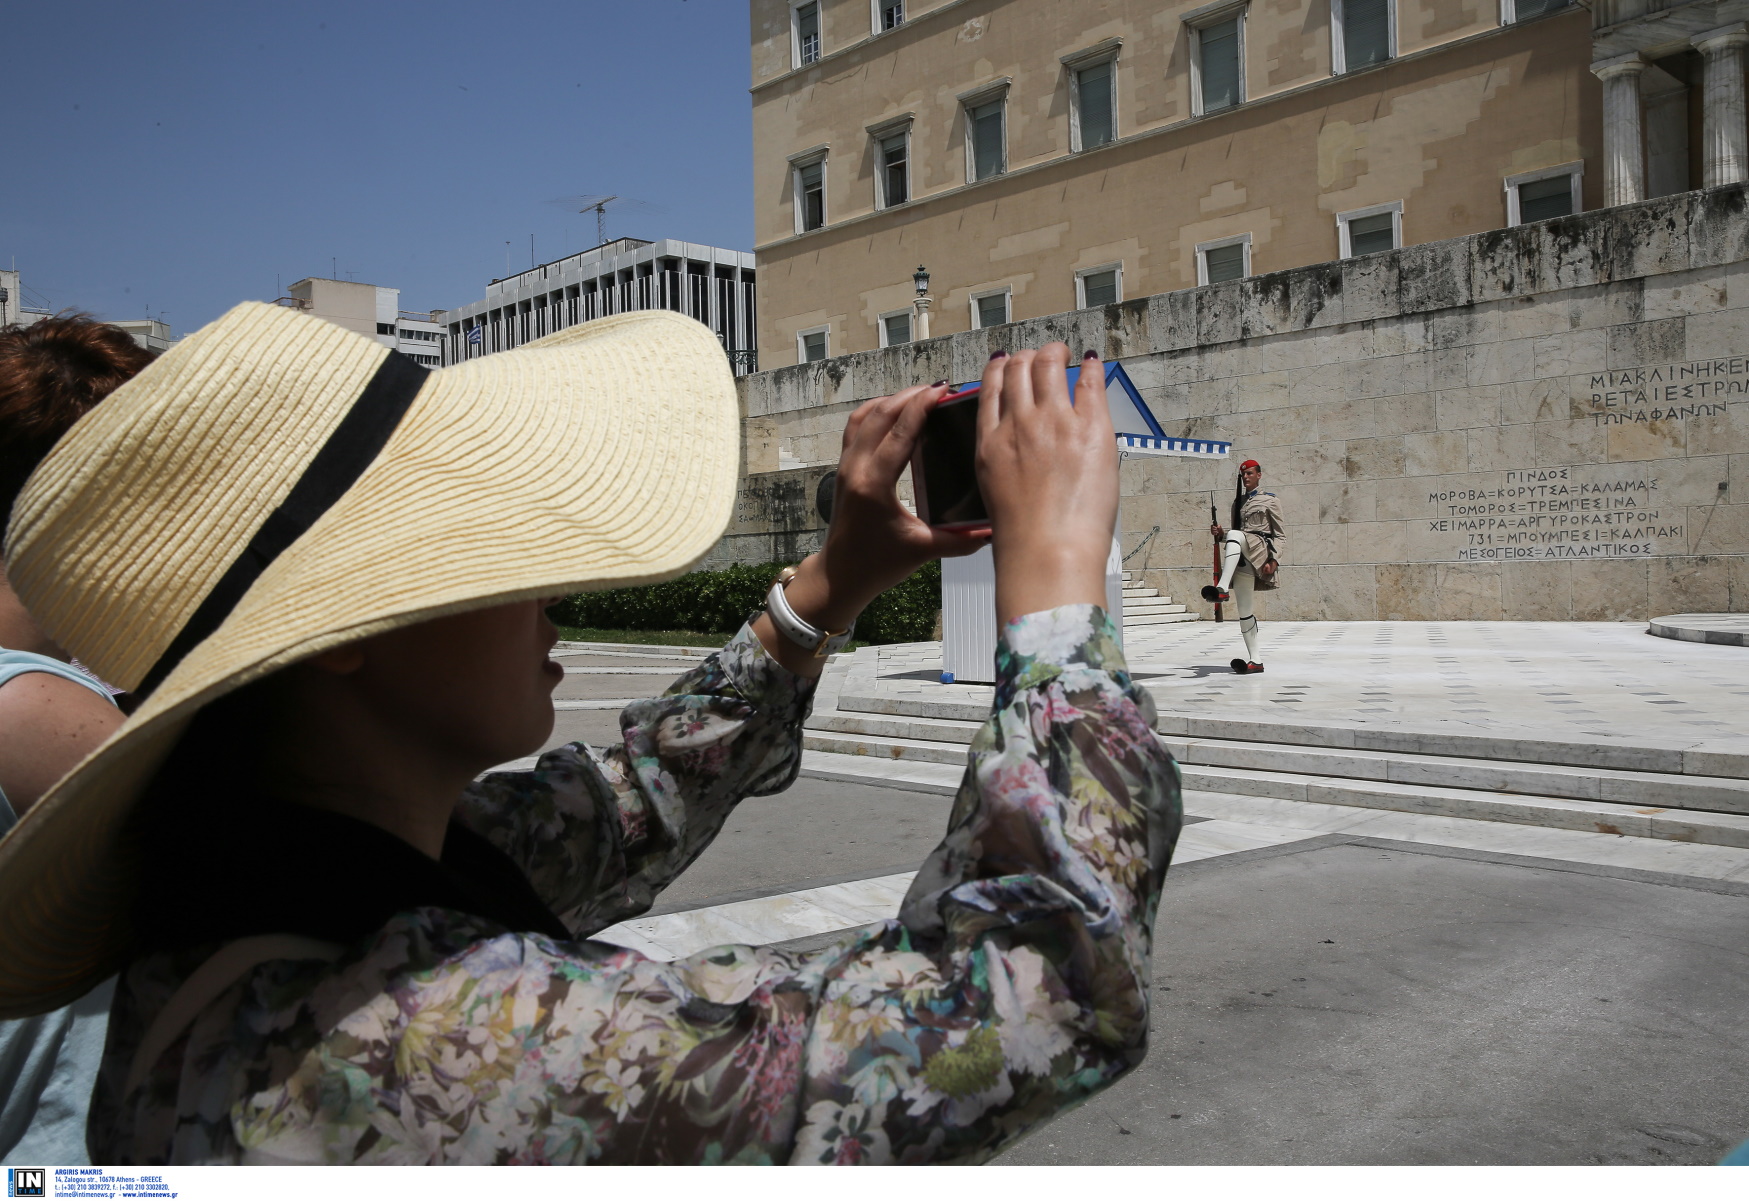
(1248, 551)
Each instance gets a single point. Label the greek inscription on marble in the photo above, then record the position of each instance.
(1668, 392)
(1550, 513)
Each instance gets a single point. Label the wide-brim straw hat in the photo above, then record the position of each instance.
(274, 486)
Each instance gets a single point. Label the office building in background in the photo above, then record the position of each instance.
(621, 276)
(371, 310)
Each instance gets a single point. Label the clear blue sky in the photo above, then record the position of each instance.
(181, 155)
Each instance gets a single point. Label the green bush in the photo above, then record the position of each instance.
(719, 601)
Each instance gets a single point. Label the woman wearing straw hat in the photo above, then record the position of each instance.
(323, 569)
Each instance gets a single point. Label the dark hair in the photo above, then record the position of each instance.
(51, 374)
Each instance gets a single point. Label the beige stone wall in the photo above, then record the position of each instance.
(1464, 105)
(1546, 422)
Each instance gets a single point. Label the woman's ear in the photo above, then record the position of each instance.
(341, 661)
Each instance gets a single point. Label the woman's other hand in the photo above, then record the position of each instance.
(1048, 471)
(873, 542)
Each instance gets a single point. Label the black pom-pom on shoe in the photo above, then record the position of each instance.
(1217, 595)
(1246, 669)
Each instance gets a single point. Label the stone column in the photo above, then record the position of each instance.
(1624, 156)
(1725, 153)
(921, 304)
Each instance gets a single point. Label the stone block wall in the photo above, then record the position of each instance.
(1538, 423)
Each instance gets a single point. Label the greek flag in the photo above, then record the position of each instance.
(474, 336)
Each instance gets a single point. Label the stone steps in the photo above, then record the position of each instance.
(1645, 788)
(1153, 605)
(1158, 619)
(939, 740)
(937, 767)
(911, 750)
(1143, 606)
(1601, 786)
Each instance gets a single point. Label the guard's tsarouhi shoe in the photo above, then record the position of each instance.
(1211, 592)
(1246, 669)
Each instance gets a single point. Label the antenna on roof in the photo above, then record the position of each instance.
(598, 205)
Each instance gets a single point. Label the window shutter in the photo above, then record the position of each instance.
(1366, 33)
(1100, 289)
(1093, 86)
(1368, 235)
(1225, 262)
(1220, 65)
(987, 156)
(1544, 198)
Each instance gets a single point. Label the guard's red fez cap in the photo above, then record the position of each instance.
(1251, 463)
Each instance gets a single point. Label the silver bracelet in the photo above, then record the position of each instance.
(810, 638)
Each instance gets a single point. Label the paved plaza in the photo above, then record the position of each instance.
(1420, 974)
(1587, 680)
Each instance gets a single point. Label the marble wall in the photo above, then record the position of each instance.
(1544, 422)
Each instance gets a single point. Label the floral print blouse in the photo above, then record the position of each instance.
(1012, 984)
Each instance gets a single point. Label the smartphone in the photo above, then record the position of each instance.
(944, 470)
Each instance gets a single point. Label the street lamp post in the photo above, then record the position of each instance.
(921, 278)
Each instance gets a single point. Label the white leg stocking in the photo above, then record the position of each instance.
(1243, 592)
(1232, 553)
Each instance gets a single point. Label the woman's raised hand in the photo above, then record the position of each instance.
(1048, 472)
(873, 542)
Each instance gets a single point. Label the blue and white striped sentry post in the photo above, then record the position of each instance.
(1139, 433)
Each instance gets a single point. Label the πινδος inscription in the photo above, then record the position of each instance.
(1601, 511)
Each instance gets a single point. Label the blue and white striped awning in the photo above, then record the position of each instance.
(1147, 444)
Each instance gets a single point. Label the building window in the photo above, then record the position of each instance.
(1362, 32)
(1095, 111)
(990, 309)
(1097, 287)
(894, 173)
(1217, 60)
(1370, 230)
(1540, 195)
(811, 344)
(984, 133)
(806, 18)
(888, 15)
(1223, 259)
(896, 328)
(385, 328)
(1513, 11)
(810, 184)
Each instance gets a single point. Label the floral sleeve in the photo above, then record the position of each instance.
(1013, 984)
(600, 832)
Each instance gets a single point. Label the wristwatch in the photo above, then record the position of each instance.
(808, 637)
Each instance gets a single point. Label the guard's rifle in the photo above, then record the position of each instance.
(1214, 519)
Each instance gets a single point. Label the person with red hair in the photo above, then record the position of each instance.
(1248, 555)
(52, 714)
